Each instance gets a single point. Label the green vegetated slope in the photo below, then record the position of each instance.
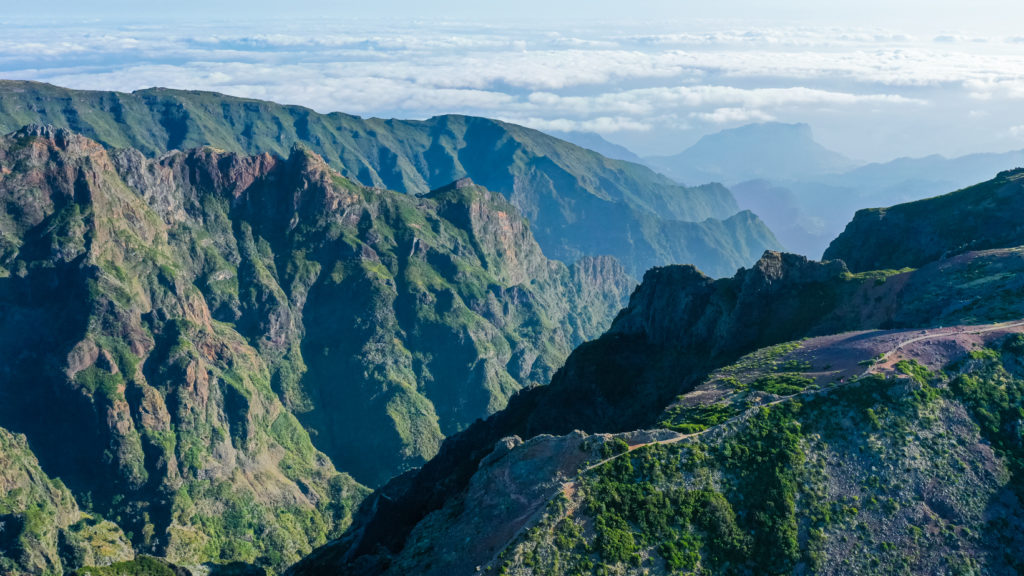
(577, 201)
(975, 218)
(678, 327)
(172, 330)
(141, 566)
(156, 414)
(42, 529)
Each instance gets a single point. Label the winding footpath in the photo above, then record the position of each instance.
(569, 487)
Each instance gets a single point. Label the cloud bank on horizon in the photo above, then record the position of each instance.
(870, 93)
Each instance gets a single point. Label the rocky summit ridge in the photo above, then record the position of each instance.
(979, 217)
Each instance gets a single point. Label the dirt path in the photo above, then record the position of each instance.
(569, 487)
(887, 362)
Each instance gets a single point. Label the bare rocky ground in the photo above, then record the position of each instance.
(507, 496)
(839, 358)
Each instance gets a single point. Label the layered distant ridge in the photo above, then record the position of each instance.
(578, 202)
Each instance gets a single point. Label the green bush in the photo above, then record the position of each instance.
(614, 447)
(915, 370)
(782, 384)
(767, 482)
(694, 419)
(615, 541)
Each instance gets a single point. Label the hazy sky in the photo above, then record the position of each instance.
(874, 79)
(985, 15)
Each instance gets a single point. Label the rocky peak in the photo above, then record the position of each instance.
(663, 303)
(500, 235)
(59, 136)
(47, 131)
(304, 161)
(465, 182)
(51, 149)
(775, 267)
(223, 173)
(57, 139)
(674, 304)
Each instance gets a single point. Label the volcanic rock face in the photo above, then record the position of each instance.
(678, 305)
(171, 329)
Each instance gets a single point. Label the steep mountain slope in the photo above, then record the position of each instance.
(167, 327)
(42, 528)
(679, 325)
(975, 218)
(578, 202)
(769, 150)
(126, 385)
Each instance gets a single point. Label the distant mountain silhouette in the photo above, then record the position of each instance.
(597, 143)
(770, 150)
(806, 193)
(827, 202)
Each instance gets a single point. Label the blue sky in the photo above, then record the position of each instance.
(874, 79)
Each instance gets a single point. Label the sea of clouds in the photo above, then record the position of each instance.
(873, 94)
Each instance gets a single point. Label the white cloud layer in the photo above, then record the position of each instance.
(650, 87)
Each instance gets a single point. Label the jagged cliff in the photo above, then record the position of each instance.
(578, 202)
(125, 382)
(173, 327)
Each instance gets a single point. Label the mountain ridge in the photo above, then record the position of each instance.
(974, 218)
(578, 202)
(808, 207)
(597, 143)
